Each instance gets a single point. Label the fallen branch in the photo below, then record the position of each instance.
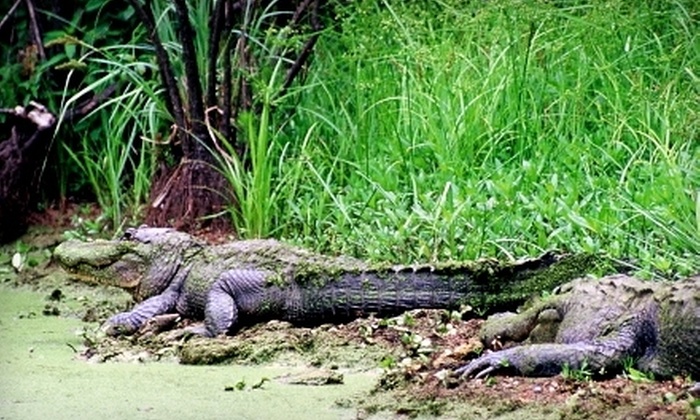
(9, 14)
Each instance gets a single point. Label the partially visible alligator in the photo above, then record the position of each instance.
(599, 325)
(249, 281)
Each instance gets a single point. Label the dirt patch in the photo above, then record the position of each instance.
(416, 352)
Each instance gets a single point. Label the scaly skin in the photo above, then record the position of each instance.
(170, 272)
(602, 324)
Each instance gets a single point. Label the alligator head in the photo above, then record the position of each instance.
(142, 262)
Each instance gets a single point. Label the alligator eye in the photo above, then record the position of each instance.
(128, 235)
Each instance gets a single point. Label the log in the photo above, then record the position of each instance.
(26, 139)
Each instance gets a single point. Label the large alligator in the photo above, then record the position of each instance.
(600, 326)
(249, 281)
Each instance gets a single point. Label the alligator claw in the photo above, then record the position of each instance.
(158, 324)
(119, 324)
(482, 366)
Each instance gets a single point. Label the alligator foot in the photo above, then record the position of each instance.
(158, 324)
(695, 390)
(484, 365)
(195, 330)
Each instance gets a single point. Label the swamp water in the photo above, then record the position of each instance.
(42, 377)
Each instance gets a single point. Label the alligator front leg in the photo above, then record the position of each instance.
(600, 356)
(127, 323)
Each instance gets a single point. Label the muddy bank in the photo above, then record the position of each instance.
(44, 377)
(46, 326)
(55, 361)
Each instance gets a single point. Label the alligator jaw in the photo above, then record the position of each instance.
(86, 274)
(100, 262)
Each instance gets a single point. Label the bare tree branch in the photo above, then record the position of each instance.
(215, 23)
(9, 13)
(172, 99)
(192, 76)
(226, 87)
(36, 33)
(308, 46)
(299, 12)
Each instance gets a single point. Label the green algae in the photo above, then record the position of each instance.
(505, 287)
(43, 378)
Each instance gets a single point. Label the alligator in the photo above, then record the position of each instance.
(248, 281)
(600, 327)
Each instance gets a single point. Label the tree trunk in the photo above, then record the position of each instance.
(27, 139)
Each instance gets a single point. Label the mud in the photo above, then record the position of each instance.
(55, 360)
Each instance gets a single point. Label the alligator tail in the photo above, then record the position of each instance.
(487, 284)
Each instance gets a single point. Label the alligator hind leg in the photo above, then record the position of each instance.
(220, 312)
(235, 291)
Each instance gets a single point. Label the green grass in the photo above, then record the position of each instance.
(444, 129)
(115, 157)
(447, 131)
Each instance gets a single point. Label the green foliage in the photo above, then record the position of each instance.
(24, 76)
(85, 227)
(446, 130)
(582, 374)
(438, 129)
(262, 184)
(388, 362)
(635, 375)
(115, 157)
(251, 214)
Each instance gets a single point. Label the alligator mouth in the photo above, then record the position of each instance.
(86, 273)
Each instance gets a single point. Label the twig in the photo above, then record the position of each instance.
(193, 82)
(9, 13)
(245, 97)
(36, 34)
(172, 100)
(306, 50)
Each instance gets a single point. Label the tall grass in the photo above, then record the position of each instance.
(115, 157)
(445, 130)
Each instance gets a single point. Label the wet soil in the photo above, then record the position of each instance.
(410, 357)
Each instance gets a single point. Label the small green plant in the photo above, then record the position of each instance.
(365, 331)
(388, 362)
(582, 374)
(639, 376)
(408, 320)
(491, 381)
(633, 374)
(84, 227)
(408, 338)
(386, 322)
(238, 386)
